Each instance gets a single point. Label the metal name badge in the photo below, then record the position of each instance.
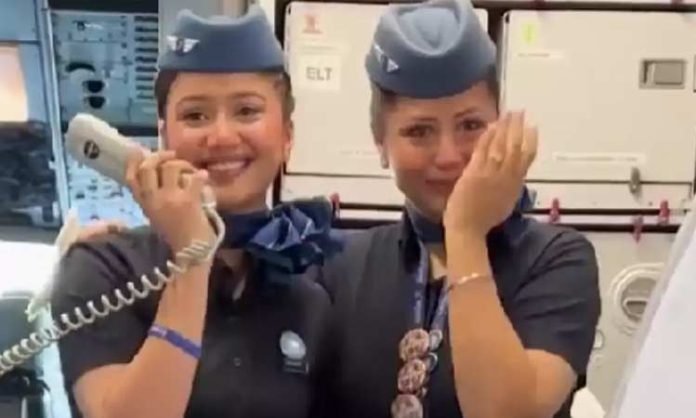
(294, 353)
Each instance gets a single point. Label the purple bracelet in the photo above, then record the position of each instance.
(176, 339)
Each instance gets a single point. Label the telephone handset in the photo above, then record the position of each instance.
(96, 144)
(101, 147)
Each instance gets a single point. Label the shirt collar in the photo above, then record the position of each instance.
(502, 236)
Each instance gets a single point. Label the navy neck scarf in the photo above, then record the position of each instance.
(287, 239)
(429, 232)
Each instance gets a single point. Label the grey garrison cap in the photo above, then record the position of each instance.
(427, 50)
(222, 44)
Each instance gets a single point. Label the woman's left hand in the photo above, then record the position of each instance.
(490, 185)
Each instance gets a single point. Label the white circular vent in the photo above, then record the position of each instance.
(630, 292)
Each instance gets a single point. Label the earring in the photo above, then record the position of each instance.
(384, 161)
(161, 139)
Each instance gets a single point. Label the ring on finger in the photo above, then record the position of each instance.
(496, 159)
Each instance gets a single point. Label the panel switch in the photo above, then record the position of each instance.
(662, 74)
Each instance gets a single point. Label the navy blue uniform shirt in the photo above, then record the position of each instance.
(241, 372)
(547, 281)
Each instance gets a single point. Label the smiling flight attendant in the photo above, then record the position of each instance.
(239, 334)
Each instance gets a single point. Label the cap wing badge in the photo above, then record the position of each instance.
(181, 45)
(387, 63)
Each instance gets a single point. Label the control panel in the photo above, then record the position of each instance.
(106, 65)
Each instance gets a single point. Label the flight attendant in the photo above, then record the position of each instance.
(240, 332)
(464, 307)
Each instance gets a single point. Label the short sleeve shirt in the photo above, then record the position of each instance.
(547, 282)
(242, 371)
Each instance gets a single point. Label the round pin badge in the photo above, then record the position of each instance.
(292, 346)
(414, 344)
(407, 406)
(412, 376)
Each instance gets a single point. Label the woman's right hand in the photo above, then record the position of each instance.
(490, 185)
(173, 206)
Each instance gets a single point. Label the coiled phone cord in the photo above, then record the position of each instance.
(88, 314)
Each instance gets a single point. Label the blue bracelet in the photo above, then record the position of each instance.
(176, 339)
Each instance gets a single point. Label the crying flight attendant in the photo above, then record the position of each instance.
(465, 308)
(240, 333)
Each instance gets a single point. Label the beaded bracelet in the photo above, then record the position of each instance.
(464, 279)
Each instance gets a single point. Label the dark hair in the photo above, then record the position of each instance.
(165, 79)
(381, 99)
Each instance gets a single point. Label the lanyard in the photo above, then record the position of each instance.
(420, 281)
